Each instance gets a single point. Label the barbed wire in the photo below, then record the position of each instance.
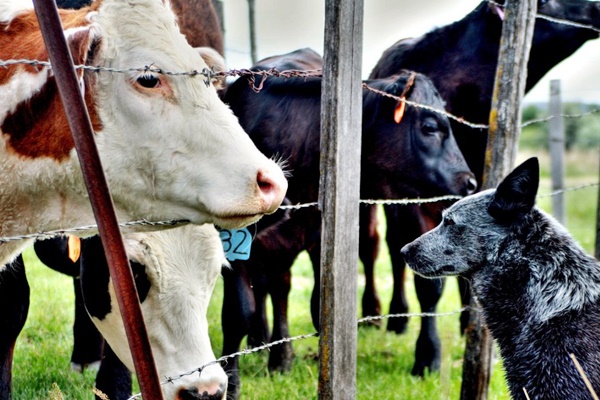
(267, 346)
(252, 75)
(550, 117)
(173, 223)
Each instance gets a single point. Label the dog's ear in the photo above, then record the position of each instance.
(515, 196)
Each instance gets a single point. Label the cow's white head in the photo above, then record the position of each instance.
(170, 147)
(175, 271)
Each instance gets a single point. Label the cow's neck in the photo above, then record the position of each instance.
(39, 195)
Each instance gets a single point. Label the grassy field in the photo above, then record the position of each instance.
(41, 367)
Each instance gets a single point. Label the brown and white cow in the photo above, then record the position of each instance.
(170, 148)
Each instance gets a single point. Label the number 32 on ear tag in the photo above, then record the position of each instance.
(236, 243)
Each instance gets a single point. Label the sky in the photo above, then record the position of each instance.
(285, 25)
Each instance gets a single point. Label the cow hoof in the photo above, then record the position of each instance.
(428, 356)
(281, 357)
(93, 366)
(397, 325)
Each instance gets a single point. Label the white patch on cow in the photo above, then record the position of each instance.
(562, 286)
(183, 265)
(21, 87)
(9, 9)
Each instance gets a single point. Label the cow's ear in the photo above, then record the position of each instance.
(83, 44)
(215, 62)
(515, 196)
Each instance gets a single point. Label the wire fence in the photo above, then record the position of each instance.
(257, 79)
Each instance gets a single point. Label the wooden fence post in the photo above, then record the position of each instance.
(557, 151)
(339, 195)
(503, 138)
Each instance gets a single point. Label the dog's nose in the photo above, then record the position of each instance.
(404, 252)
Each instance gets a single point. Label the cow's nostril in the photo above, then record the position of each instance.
(471, 185)
(272, 186)
(193, 393)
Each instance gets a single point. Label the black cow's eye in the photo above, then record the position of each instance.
(430, 127)
(542, 2)
(148, 81)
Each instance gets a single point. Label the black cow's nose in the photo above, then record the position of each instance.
(471, 184)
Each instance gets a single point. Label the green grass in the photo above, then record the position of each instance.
(384, 360)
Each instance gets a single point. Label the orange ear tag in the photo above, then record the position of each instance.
(399, 111)
(74, 246)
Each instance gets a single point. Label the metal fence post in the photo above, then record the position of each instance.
(81, 129)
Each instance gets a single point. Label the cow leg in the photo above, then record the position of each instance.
(258, 333)
(280, 356)
(399, 232)
(113, 378)
(238, 309)
(428, 350)
(14, 297)
(368, 250)
(87, 341)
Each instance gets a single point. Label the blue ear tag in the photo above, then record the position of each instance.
(236, 243)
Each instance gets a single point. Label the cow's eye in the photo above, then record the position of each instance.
(149, 81)
(542, 2)
(430, 127)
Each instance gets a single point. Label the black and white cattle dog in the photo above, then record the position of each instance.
(539, 290)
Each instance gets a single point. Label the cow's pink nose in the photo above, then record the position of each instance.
(212, 391)
(272, 185)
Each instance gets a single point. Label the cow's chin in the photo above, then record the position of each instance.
(236, 221)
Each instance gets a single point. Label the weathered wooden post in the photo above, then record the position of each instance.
(339, 195)
(503, 138)
(557, 151)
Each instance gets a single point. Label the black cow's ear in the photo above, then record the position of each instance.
(515, 195)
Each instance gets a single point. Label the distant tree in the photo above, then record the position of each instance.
(572, 124)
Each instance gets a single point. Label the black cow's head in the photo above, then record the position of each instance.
(410, 150)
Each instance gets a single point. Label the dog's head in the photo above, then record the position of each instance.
(472, 229)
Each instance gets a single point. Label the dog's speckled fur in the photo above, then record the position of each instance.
(539, 290)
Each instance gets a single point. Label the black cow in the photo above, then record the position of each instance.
(416, 157)
(461, 60)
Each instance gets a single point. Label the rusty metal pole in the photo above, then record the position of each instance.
(102, 205)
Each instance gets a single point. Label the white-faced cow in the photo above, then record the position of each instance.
(460, 59)
(408, 155)
(170, 148)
